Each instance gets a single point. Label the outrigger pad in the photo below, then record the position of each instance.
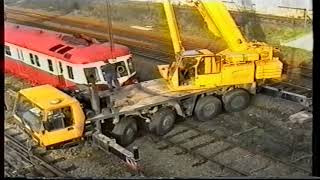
(109, 145)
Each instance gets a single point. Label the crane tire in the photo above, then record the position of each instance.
(162, 121)
(207, 108)
(125, 131)
(236, 100)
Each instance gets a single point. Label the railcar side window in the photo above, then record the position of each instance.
(7, 50)
(60, 66)
(18, 53)
(22, 55)
(50, 65)
(70, 72)
(37, 60)
(31, 58)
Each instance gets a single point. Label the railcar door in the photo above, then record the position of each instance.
(59, 69)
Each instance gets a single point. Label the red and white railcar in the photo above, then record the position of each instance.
(62, 60)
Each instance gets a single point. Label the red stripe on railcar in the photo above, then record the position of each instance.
(35, 76)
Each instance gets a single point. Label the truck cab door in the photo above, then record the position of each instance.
(59, 127)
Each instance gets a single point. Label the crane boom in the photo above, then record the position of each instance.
(173, 27)
(221, 23)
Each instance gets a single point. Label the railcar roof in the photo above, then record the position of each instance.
(78, 52)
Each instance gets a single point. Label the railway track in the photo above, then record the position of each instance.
(23, 159)
(208, 146)
(292, 92)
(274, 19)
(266, 18)
(306, 71)
(163, 40)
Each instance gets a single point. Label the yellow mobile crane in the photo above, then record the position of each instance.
(243, 63)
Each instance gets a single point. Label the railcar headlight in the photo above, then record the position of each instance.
(120, 69)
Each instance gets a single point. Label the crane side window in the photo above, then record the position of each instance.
(50, 66)
(201, 67)
(209, 65)
(7, 50)
(70, 72)
(217, 62)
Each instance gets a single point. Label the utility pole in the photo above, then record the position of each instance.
(109, 20)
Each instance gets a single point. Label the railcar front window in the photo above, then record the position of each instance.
(29, 113)
(7, 50)
(131, 66)
(120, 68)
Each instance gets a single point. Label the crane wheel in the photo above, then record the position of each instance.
(207, 108)
(236, 100)
(125, 131)
(162, 121)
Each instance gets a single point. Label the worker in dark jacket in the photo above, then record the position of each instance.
(110, 75)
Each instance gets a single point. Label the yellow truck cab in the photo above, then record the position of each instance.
(49, 115)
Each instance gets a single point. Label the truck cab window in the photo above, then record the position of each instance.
(29, 113)
(59, 119)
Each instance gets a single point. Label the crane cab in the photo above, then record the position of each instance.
(50, 116)
(198, 69)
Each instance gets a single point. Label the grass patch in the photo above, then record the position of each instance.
(295, 56)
